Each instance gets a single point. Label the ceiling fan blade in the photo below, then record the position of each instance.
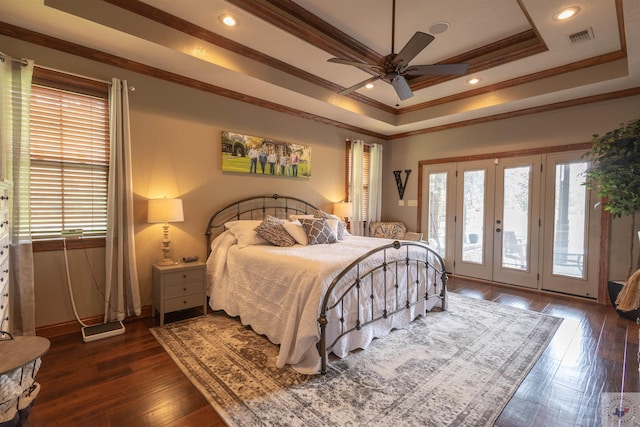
(402, 87)
(436, 69)
(354, 63)
(358, 86)
(413, 47)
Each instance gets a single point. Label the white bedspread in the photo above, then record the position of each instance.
(278, 290)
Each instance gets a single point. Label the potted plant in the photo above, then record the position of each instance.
(614, 172)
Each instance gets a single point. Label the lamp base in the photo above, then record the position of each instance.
(166, 261)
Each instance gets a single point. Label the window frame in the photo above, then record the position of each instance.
(72, 83)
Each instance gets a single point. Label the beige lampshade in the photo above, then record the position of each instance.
(343, 209)
(161, 210)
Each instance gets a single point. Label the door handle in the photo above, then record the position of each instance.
(498, 230)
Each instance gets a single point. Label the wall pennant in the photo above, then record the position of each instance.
(399, 183)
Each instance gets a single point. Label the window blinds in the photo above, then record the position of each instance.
(69, 146)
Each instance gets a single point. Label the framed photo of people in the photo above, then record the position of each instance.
(264, 156)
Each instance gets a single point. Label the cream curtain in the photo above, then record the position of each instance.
(357, 166)
(375, 182)
(15, 93)
(121, 286)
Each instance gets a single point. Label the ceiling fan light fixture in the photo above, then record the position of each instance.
(566, 13)
(228, 20)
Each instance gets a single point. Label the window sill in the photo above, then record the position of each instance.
(58, 244)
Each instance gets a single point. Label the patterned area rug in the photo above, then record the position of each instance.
(453, 368)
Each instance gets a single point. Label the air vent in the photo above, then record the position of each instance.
(581, 36)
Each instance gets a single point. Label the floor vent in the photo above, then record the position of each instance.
(581, 36)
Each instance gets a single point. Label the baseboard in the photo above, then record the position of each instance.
(50, 331)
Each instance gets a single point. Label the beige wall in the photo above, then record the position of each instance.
(176, 153)
(176, 142)
(553, 128)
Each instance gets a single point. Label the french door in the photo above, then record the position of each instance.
(519, 220)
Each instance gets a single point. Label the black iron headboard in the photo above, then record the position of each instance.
(256, 208)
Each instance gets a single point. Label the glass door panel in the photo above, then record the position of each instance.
(437, 210)
(516, 223)
(474, 225)
(473, 216)
(515, 217)
(570, 229)
(569, 220)
(437, 226)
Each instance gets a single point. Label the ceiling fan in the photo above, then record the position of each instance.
(394, 67)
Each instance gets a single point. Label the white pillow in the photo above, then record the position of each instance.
(244, 232)
(333, 224)
(297, 232)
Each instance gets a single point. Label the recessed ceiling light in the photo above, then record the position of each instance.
(369, 86)
(474, 81)
(228, 20)
(566, 13)
(439, 27)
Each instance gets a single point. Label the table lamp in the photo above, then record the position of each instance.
(165, 211)
(343, 210)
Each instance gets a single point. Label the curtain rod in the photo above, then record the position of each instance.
(4, 57)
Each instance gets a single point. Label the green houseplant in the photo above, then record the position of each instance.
(614, 172)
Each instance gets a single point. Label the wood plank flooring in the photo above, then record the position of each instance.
(129, 380)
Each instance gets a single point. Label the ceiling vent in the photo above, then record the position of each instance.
(581, 36)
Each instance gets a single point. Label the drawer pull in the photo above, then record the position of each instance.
(6, 294)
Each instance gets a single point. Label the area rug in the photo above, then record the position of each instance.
(453, 368)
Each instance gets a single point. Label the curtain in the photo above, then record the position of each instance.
(357, 166)
(122, 294)
(375, 182)
(15, 93)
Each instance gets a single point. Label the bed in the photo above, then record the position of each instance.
(315, 299)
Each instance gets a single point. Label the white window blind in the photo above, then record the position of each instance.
(365, 179)
(69, 150)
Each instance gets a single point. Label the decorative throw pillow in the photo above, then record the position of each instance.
(294, 228)
(318, 231)
(340, 227)
(272, 230)
(387, 229)
(244, 232)
(294, 217)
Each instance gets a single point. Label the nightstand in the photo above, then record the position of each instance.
(177, 287)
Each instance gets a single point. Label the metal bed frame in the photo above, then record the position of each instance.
(429, 278)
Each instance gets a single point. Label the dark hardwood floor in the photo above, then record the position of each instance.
(129, 380)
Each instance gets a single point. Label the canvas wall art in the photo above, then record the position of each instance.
(263, 156)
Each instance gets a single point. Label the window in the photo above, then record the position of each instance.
(69, 153)
(365, 178)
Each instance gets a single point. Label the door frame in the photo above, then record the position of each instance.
(605, 217)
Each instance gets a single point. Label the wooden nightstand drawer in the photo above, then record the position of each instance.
(183, 276)
(183, 289)
(180, 303)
